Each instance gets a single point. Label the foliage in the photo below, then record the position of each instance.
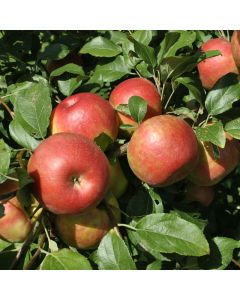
(159, 230)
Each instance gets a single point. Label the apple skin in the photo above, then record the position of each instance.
(213, 68)
(71, 173)
(15, 224)
(136, 87)
(118, 181)
(83, 231)
(202, 194)
(210, 170)
(163, 150)
(87, 114)
(235, 42)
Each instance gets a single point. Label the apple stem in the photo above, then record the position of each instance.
(120, 151)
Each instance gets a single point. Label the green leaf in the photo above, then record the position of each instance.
(110, 72)
(67, 87)
(5, 156)
(32, 107)
(146, 53)
(123, 108)
(55, 51)
(23, 177)
(68, 68)
(101, 47)
(174, 41)
(166, 44)
(155, 265)
(21, 136)
(185, 112)
(157, 200)
(173, 67)
(213, 133)
(233, 128)
(65, 259)
(143, 36)
(121, 38)
(143, 69)
(103, 141)
(194, 87)
(221, 253)
(168, 233)
(190, 217)
(224, 93)
(137, 108)
(113, 254)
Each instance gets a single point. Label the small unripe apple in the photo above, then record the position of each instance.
(87, 114)
(83, 231)
(213, 68)
(136, 87)
(163, 150)
(202, 194)
(15, 224)
(71, 174)
(118, 181)
(211, 169)
(235, 42)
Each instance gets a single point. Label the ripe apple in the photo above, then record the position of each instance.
(83, 231)
(210, 169)
(71, 173)
(235, 42)
(136, 87)
(87, 114)
(118, 181)
(213, 68)
(163, 150)
(202, 194)
(15, 224)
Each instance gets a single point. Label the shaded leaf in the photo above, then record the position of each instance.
(146, 53)
(5, 156)
(68, 68)
(233, 128)
(103, 141)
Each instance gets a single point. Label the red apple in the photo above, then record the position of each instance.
(213, 68)
(71, 173)
(136, 87)
(15, 224)
(210, 170)
(163, 150)
(87, 114)
(83, 231)
(235, 42)
(202, 194)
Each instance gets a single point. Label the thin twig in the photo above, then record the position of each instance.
(30, 263)
(236, 263)
(7, 108)
(35, 230)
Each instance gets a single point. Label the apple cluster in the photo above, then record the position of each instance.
(75, 181)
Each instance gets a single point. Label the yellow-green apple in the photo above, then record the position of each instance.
(213, 68)
(202, 194)
(118, 181)
(87, 114)
(71, 174)
(14, 224)
(83, 231)
(235, 42)
(212, 169)
(163, 150)
(136, 87)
